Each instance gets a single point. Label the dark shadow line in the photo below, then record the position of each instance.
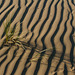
(11, 1)
(54, 34)
(52, 41)
(65, 70)
(6, 67)
(3, 1)
(69, 6)
(5, 53)
(50, 61)
(5, 16)
(15, 14)
(28, 60)
(73, 2)
(72, 42)
(26, 11)
(1, 62)
(25, 2)
(38, 63)
(24, 17)
(44, 47)
(40, 16)
(20, 31)
(36, 7)
(61, 40)
(43, 23)
(61, 18)
(19, 3)
(39, 60)
(43, 38)
(30, 38)
(17, 63)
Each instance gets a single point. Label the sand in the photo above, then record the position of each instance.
(39, 25)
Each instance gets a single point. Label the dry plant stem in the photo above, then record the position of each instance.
(39, 52)
(19, 43)
(9, 38)
(7, 29)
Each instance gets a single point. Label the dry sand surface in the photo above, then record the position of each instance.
(39, 25)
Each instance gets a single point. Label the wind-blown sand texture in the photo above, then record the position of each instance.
(43, 24)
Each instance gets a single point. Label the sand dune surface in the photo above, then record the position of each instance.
(39, 39)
